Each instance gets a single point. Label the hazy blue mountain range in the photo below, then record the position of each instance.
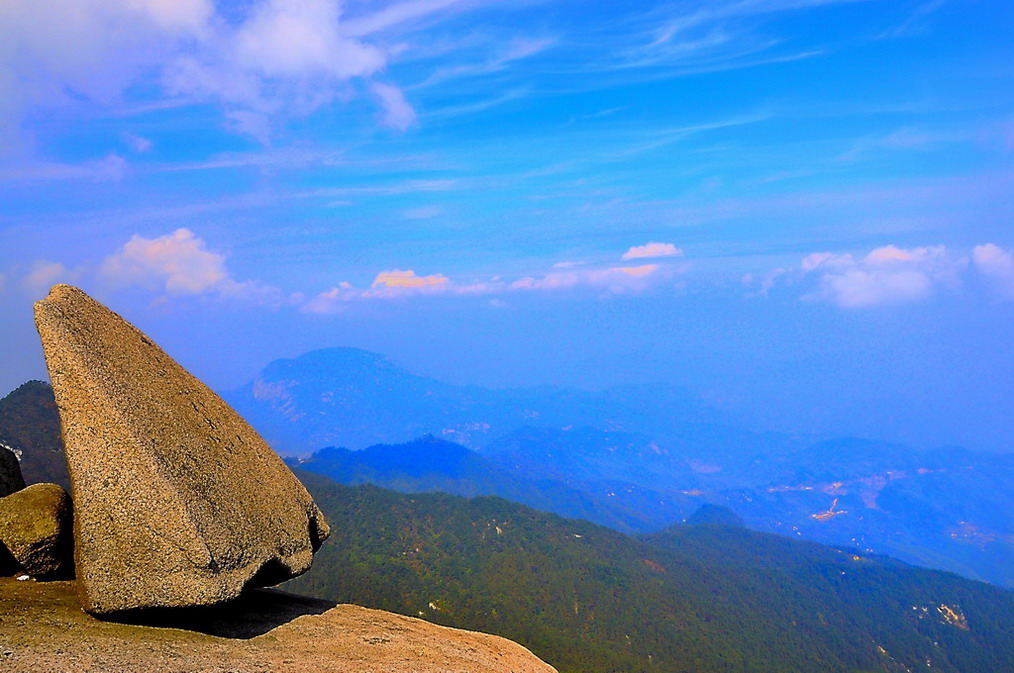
(948, 508)
(910, 513)
(429, 464)
(354, 398)
(706, 597)
(639, 458)
(701, 599)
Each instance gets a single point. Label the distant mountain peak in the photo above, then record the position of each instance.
(328, 361)
(715, 515)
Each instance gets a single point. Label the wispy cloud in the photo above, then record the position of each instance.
(994, 133)
(399, 14)
(111, 168)
(613, 280)
(916, 21)
(515, 50)
(653, 250)
(139, 144)
(406, 279)
(666, 136)
(457, 110)
(43, 274)
(577, 278)
(398, 113)
(422, 212)
(263, 63)
(997, 265)
(404, 187)
(673, 40)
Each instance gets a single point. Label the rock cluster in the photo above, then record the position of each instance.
(177, 500)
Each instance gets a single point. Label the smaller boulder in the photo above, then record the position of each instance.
(35, 529)
(10, 471)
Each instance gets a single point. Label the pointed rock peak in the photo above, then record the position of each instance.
(177, 500)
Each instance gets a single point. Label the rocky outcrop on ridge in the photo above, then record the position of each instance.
(35, 530)
(45, 631)
(177, 501)
(10, 472)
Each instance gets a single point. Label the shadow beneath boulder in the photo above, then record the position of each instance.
(254, 613)
(8, 564)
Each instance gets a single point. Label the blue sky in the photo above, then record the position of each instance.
(800, 209)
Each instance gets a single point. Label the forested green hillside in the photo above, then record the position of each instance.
(693, 598)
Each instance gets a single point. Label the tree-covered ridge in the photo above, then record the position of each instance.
(693, 598)
(430, 464)
(29, 423)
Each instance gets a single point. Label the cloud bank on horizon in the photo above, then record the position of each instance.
(181, 264)
(617, 173)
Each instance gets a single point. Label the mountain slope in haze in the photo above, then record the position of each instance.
(354, 398)
(950, 508)
(947, 508)
(429, 464)
(692, 598)
(30, 424)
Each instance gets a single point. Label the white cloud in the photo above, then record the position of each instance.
(653, 250)
(422, 213)
(886, 275)
(331, 301)
(43, 274)
(139, 144)
(407, 279)
(53, 52)
(997, 265)
(396, 284)
(180, 264)
(300, 38)
(398, 114)
(856, 288)
(286, 58)
(611, 280)
(263, 62)
(760, 286)
(399, 283)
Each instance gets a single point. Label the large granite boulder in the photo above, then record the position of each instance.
(177, 501)
(35, 528)
(10, 471)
